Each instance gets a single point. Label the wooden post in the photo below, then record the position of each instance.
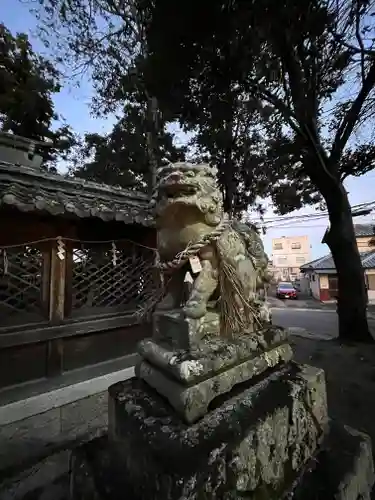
(46, 279)
(68, 303)
(57, 305)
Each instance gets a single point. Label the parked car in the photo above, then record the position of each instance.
(286, 290)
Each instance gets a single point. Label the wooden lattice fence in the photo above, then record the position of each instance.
(105, 277)
(21, 269)
(97, 279)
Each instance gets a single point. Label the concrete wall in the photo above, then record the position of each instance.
(33, 436)
(35, 432)
(315, 286)
(304, 285)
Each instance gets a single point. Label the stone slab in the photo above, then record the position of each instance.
(251, 443)
(24, 407)
(213, 355)
(184, 333)
(28, 441)
(192, 402)
(29, 438)
(84, 417)
(43, 480)
(342, 469)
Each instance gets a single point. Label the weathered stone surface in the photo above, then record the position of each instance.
(213, 355)
(342, 469)
(252, 443)
(88, 416)
(84, 483)
(192, 402)
(184, 333)
(96, 474)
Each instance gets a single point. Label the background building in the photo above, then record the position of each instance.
(289, 253)
(322, 272)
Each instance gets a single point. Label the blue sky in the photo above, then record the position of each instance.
(73, 103)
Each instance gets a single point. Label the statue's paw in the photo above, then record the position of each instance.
(195, 310)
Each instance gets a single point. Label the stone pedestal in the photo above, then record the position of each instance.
(191, 380)
(210, 418)
(254, 442)
(340, 470)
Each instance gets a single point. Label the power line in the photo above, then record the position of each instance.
(320, 214)
(308, 217)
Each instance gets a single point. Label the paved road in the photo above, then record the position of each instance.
(303, 322)
(319, 322)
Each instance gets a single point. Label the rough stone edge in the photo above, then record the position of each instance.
(361, 480)
(201, 367)
(322, 477)
(181, 397)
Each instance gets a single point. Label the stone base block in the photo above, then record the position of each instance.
(214, 355)
(253, 442)
(342, 469)
(191, 402)
(184, 333)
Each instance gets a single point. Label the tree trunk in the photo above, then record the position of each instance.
(352, 295)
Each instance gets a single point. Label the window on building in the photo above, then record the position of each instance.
(277, 246)
(313, 277)
(300, 260)
(296, 245)
(281, 260)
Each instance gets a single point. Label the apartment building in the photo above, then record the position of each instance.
(289, 253)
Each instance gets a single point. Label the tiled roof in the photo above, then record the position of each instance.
(360, 230)
(326, 262)
(364, 230)
(30, 190)
(368, 260)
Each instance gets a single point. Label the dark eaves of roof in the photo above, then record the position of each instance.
(31, 190)
(360, 231)
(326, 262)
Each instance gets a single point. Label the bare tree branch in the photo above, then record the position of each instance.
(359, 38)
(350, 119)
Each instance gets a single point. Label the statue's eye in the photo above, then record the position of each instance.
(190, 174)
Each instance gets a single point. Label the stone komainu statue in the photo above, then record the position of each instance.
(226, 256)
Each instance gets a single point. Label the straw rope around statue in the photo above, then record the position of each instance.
(193, 249)
(236, 310)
